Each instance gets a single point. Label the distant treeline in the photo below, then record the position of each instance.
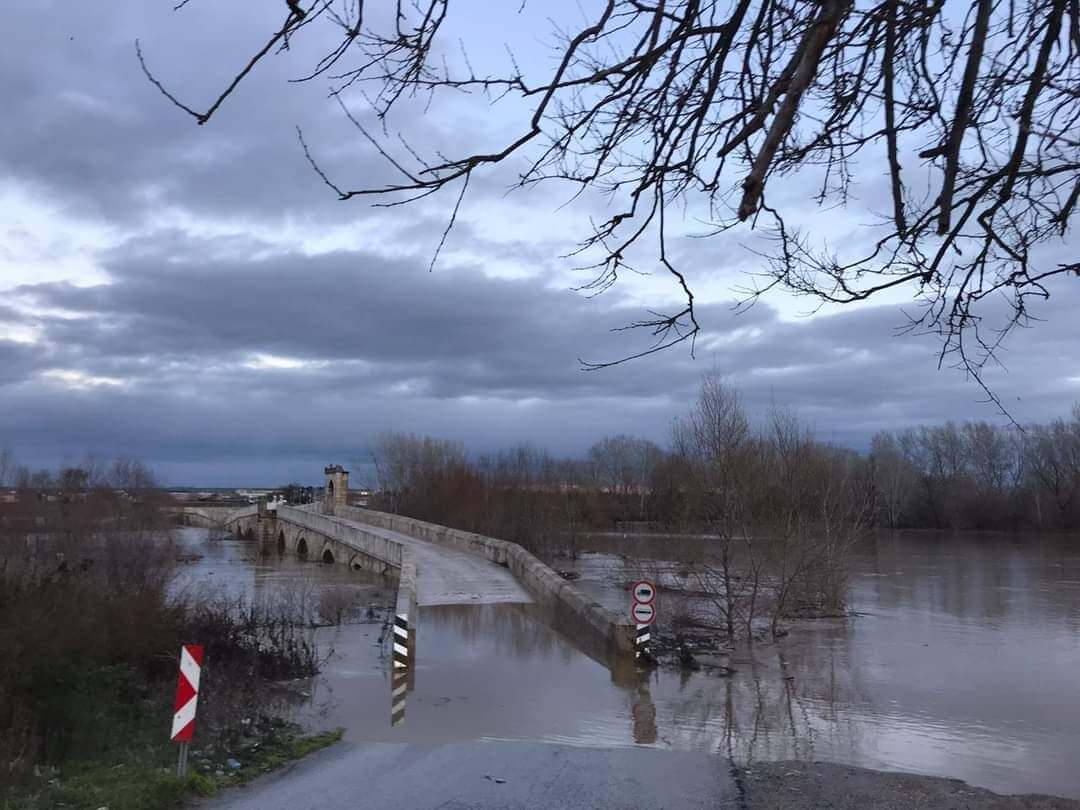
(123, 492)
(90, 474)
(783, 509)
(976, 475)
(973, 475)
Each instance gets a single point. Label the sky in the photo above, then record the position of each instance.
(195, 296)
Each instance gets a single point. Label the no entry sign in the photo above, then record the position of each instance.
(645, 592)
(187, 693)
(643, 613)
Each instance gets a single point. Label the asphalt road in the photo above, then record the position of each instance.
(449, 577)
(538, 776)
(511, 775)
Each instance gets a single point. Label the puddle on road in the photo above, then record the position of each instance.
(962, 666)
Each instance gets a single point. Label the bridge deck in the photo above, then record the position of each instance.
(449, 577)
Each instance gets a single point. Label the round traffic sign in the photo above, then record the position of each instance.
(643, 613)
(644, 592)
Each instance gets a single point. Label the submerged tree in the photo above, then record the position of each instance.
(783, 510)
(972, 108)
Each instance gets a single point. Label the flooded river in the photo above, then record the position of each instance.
(963, 661)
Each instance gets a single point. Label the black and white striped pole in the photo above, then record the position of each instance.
(399, 670)
(399, 686)
(401, 641)
(641, 641)
(643, 612)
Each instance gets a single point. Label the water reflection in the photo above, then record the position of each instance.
(962, 662)
(643, 711)
(241, 568)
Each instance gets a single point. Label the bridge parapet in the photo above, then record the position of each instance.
(386, 551)
(571, 607)
(341, 542)
(382, 549)
(213, 516)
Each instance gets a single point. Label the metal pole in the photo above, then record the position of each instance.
(181, 765)
(641, 642)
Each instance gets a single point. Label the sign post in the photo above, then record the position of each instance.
(187, 699)
(399, 687)
(643, 612)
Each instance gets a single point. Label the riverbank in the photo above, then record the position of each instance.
(117, 753)
(811, 786)
(141, 782)
(92, 618)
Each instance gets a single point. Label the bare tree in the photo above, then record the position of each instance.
(938, 455)
(989, 456)
(624, 465)
(1054, 459)
(655, 103)
(819, 502)
(8, 467)
(131, 474)
(894, 477)
(784, 511)
(978, 475)
(992, 459)
(405, 463)
(715, 440)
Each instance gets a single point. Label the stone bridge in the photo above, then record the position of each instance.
(210, 517)
(435, 565)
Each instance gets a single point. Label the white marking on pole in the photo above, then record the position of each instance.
(184, 715)
(189, 669)
(187, 697)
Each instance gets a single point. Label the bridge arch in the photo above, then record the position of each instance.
(328, 555)
(281, 542)
(302, 547)
(249, 534)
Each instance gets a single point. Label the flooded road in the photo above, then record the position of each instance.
(964, 662)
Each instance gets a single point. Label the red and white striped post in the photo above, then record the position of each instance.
(187, 698)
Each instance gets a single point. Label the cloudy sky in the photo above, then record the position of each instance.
(195, 296)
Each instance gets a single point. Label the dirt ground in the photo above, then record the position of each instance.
(800, 786)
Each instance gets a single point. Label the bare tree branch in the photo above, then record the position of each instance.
(701, 101)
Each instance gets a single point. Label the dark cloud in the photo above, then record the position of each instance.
(462, 332)
(175, 353)
(94, 135)
(241, 357)
(18, 361)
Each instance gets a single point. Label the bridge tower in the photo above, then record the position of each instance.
(336, 491)
(266, 520)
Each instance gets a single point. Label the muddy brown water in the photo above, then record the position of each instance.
(963, 661)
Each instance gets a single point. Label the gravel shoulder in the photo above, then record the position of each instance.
(802, 785)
